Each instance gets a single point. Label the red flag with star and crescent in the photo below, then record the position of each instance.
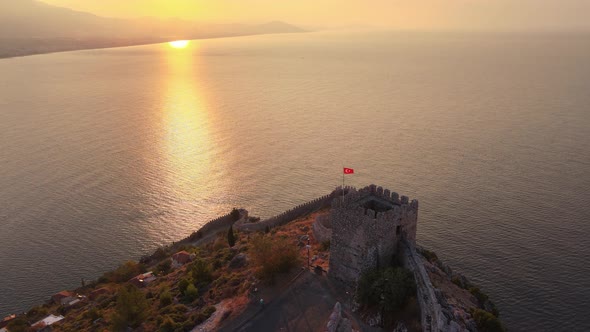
(348, 170)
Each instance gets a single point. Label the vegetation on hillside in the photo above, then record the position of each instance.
(179, 298)
(389, 290)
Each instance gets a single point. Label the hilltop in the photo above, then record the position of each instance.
(242, 273)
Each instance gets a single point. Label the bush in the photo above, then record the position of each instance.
(165, 298)
(325, 246)
(203, 315)
(191, 293)
(125, 272)
(273, 256)
(201, 272)
(92, 314)
(479, 295)
(430, 255)
(486, 322)
(389, 288)
(164, 267)
(182, 285)
(168, 325)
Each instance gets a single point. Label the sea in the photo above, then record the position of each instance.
(107, 154)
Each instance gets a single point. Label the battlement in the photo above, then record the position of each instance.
(367, 226)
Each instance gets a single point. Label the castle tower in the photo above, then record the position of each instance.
(367, 226)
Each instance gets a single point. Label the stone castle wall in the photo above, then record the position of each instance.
(363, 238)
(431, 314)
(292, 214)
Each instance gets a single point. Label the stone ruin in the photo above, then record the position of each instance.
(367, 229)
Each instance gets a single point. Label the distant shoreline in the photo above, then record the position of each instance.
(58, 45)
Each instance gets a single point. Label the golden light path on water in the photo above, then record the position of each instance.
(187, 144)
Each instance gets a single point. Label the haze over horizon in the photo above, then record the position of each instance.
(399, 14)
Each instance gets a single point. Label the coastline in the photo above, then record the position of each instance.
(49, 46)
(228, 282)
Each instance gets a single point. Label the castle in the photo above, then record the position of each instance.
(368, 226)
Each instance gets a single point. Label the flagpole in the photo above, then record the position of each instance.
(342, 183)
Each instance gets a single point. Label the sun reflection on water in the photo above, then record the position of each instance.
(187, 141)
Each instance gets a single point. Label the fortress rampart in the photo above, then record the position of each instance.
(367, 227)
(292, 214)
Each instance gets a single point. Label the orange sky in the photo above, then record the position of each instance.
(408, 14)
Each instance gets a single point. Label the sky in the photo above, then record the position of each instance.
(402, 14)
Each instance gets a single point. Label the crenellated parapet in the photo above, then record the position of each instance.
(367, 226)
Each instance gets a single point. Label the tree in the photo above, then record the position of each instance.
(231, 238)
(273, 256)
(390, 288)
(131, 308)
(235, 214)
(201, 272)
(19, 325)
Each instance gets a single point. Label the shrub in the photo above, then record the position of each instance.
(479, 295)
(389, 288)
(201, 272)
(92, 314)
(182, 285)
(165, 298)
(191, 293)
(164, 267)
(486, 322)
(325, 246)
(125, 272)
(430, 255)
(273, 256)
(168, 325)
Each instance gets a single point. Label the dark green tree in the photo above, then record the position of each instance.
(235, 214)
(231, 238)
(19, 325)
(131, 308)
(201, 272)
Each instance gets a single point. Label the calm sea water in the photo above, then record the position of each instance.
(107, 154)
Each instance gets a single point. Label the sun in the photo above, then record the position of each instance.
(179, 43)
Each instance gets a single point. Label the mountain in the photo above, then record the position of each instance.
(32, 27)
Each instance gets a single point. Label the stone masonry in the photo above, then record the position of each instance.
(368, 226)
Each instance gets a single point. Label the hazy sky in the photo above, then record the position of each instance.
(410, 14)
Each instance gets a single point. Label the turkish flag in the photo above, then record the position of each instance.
(348, 170)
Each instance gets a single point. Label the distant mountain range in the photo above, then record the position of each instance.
(32, 27)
